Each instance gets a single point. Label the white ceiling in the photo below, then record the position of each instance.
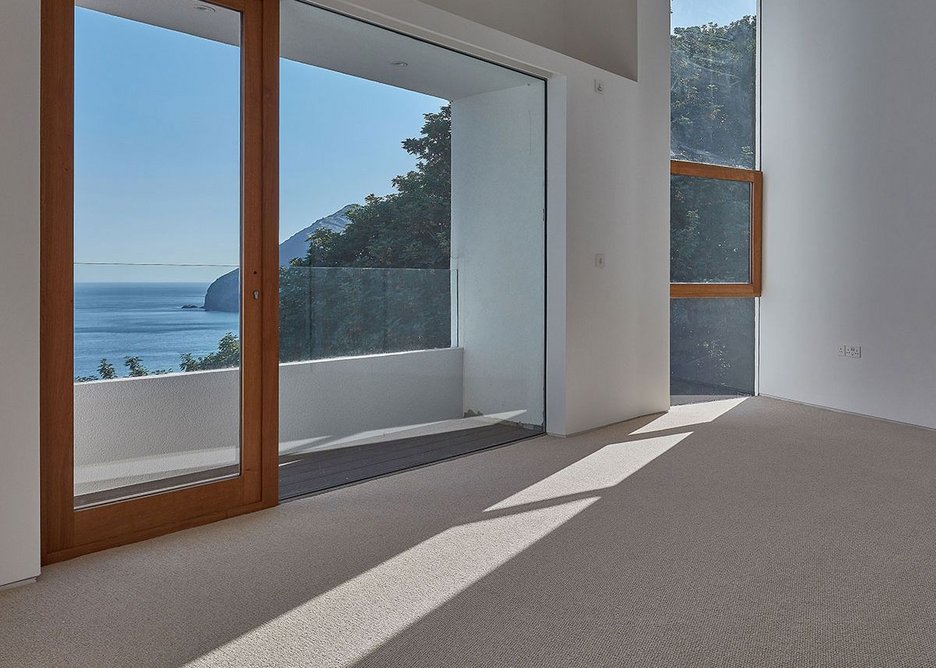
(221, 25)
(325, 39)
(320, 37)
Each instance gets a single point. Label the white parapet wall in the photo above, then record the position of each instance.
(498, 248)
(133, 430)
(329, 400)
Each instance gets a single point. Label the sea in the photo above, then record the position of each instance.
(146, 320)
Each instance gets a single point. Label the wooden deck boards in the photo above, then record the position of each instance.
(317, 471)
(312, 472)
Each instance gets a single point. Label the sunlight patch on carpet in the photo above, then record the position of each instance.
(691, 414)
(345, 624)
(605, 468)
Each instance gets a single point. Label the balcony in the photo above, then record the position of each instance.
(387, 405)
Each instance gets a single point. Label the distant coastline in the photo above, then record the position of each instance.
(118, 320)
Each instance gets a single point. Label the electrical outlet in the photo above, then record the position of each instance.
(841, 350)
(853, 351)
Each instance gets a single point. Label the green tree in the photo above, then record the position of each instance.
(710, 224)
(106, 370)
(712, 92)
(409, 228)
(135, 365)
(227, 356)
(358, 292)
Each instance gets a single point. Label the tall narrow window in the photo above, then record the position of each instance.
(714, 72)
(716, 199)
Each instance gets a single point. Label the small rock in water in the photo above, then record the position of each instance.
(191, 306)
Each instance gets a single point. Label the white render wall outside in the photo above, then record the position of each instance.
(19, 297)
(330, 399)
(849, 231)
(498, 248)
(132, 430)
(599, 32)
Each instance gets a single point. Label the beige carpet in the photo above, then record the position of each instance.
(743, 533)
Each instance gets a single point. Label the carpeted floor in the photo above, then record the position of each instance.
(750, 533)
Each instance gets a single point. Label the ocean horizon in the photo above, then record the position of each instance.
(146, 320)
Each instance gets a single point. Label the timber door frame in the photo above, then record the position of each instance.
(67, 532)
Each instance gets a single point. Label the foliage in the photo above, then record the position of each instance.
(710, 230)
(135, 365)
(341, 311)
(408, 228)
(713, 121)
(381, 285)
(712, 93)
(712, 346)
(106, 370)
(226, 357)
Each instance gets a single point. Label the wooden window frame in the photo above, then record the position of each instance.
(68, 532)
(725, 290)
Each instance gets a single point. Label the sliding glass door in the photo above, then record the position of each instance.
(412, 252)
(205, 354)
(153, 186)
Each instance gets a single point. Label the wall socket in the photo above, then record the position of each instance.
(847, 350)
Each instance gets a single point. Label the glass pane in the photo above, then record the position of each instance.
(710, 230)
(711, 348)
(157, 218)
(344, 311)
(713, 81)
(412, 287)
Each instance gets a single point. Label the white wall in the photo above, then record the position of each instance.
(617, 190)
(599, 32)
(19, 296)
(849, 135)
(329, 399)
(123, 436)
(498, 248)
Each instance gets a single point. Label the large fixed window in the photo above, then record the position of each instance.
(716, 199)
(412, 282)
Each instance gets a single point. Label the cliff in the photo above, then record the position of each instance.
(223, 294)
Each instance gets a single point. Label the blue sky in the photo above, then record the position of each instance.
(157, 148)
(697, 12)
